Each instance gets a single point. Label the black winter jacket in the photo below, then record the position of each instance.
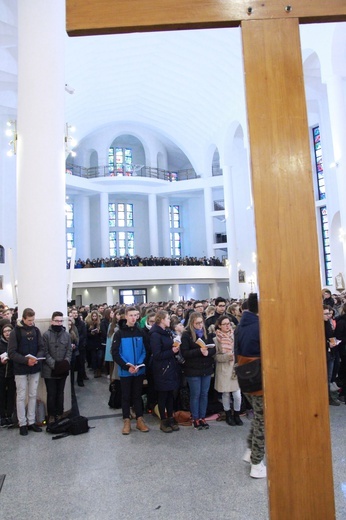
(196, 364)
(30, 342)
(165, 368)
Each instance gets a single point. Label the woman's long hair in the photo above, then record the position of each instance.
(89, 321)
(190, 328)
(112, 325)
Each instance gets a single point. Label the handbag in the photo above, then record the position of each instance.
(61, 368)
(250, 376)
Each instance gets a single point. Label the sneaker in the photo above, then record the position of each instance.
(247, 455)
(34, 428)
(197, 425)
(334, 402)
(204, 424)
(23, 430)
(258, 470)
(10, 422)
(4, 422)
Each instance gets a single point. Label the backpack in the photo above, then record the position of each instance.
(115, 397)
(65, 427)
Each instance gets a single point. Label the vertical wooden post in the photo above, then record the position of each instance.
(300, 480)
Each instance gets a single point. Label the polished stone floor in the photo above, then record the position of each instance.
(104, 475)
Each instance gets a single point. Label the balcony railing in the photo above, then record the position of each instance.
(130, 171)
(219, 205)
(220, 238)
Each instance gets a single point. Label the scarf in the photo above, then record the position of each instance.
(199, 333)
(226, 340)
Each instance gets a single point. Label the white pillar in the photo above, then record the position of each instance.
(82, 227)
(104, 225)
(153, 229)
(337, 114)
(166, 237)
(175, 292)
(208, 222)
(213, 290)
(230, 231)
(40, 157)
(109, 295)
(41, 238)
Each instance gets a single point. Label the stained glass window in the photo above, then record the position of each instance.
(319, 163)
(326, 245)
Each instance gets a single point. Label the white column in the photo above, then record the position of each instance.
(153, 229)
(175, 292)
(82, 227)
(104, 225)
(208, 222)
(41, 238)
(337, 114)
(109, 295)
(40, 157)
(230, 231)
(166, 238)
(213, 290)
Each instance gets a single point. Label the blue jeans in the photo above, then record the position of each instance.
(199, 388)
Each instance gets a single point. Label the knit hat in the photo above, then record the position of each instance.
(253, 303)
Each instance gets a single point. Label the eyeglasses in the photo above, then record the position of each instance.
(198, 322)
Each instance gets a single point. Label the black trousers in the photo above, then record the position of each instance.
(131, 393)
(165, 402)
(55, 395)
(7, 396)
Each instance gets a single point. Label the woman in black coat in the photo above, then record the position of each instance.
(198, 367)
(165, 369)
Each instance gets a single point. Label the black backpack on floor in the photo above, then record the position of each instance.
(115, 397)
(65, 427)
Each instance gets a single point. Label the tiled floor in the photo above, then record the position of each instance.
(104, 475)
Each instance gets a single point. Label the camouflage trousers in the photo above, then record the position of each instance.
(255, 440)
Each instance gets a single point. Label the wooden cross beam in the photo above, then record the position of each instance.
(300, 480)
(87, 17)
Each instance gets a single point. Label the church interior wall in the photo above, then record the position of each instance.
(154, 292)
(322, 57)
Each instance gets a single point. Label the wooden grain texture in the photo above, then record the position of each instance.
(104, 16)
(300, 480)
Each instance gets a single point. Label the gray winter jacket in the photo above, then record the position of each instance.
(57, 346)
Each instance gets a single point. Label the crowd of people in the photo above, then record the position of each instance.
(182, 356)
(135, 261)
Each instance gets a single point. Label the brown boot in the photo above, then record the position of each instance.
(141, 426)
(127, 427)
(165, 426)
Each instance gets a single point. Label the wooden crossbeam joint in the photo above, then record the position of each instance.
(88, 17)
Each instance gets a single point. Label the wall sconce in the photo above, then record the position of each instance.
(11, 131)
(70, 142)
